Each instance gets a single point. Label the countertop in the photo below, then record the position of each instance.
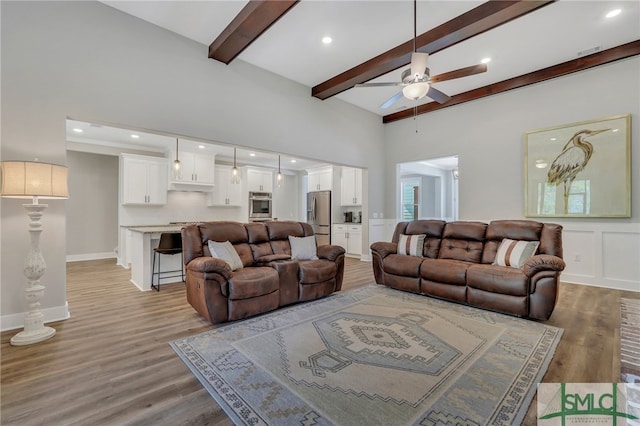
(155, 228)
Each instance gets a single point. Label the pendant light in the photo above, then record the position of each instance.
(279, 177)
(177, 166)
(235, 173)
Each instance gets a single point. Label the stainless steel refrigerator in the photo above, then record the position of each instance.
(319, 215)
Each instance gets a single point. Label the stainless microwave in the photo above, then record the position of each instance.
(260, 205)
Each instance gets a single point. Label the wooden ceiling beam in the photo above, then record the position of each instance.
(476, 21)
(253, 20)
(606, 56)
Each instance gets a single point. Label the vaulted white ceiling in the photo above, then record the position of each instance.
(362, 29)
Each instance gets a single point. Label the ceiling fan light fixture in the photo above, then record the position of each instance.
(415, 91)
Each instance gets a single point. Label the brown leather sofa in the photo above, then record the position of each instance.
(457, 265)
(269, 277)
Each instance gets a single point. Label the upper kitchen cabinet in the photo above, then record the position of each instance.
(351, 187)
(197, 172)
(225, 193)
(143, 180)
(259, 180)
(320, 179)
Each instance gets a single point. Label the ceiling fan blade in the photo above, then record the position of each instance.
(437, 95)
(418, 63)
(462, 72)
(377, 84)
(392, 100)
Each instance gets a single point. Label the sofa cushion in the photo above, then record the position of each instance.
(303, 248)
(252, 282)
(225, 251)
(498, 279)
(407, 266)
(316, 271)
(465, 250)
(453, 272)
(462, 241)
(411, 245)
(514, 253)
(524, 230)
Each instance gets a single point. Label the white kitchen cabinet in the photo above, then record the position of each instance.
(225, 193)
(197, 171)
(259, 180)
(320, 179)
(351, 187)
(348, 237)
(144, 180)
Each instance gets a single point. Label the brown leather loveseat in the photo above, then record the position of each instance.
(268, 278)
(456, 263)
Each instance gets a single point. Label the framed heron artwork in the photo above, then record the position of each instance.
(579, 170)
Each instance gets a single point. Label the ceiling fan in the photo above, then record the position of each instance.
(417, 81)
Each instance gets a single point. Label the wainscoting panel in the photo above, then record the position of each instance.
(616, 247)
(579, 249)
(602, 254)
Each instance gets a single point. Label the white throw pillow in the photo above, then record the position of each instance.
(411, 245)
(514, 253)
(303, 248)
(226, 252)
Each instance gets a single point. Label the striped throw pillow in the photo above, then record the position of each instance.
(411, 245)
(514, 253)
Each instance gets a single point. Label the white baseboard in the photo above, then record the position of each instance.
(91, 256)
(15, 321)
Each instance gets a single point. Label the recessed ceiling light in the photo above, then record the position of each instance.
(293, 161)
(554, 139)
(134, 136)
(614, 12)
(615, 130)
(78, 130)
(252, 154)
(486, 60)
(326, 40)
(201, 146)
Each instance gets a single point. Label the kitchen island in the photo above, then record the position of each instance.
(140, 242)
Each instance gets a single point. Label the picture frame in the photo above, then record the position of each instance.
(579, 170)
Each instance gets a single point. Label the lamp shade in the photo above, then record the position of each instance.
(24, 179)
(416, 91)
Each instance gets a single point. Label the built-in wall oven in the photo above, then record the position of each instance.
(260, 206)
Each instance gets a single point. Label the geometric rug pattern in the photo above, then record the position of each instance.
(630, 340)
(371, 356)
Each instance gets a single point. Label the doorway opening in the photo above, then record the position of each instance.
(428, 189)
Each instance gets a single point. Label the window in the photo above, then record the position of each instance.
(579, 200)
(410, 202)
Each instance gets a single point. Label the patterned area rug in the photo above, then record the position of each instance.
(374, 356)
(630, 340)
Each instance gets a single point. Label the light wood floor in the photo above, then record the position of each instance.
(110, 364)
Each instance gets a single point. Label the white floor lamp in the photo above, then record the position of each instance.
(31, 179)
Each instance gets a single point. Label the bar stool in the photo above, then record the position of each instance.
(170, 243)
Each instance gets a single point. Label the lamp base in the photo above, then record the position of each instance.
(34, 336)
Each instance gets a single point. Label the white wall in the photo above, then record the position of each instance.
(92, 207)
(488, 136)
(88, 61)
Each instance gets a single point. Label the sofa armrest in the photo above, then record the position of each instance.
(210, 265)
(542, 262)
(384, 248)
(330, 252)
